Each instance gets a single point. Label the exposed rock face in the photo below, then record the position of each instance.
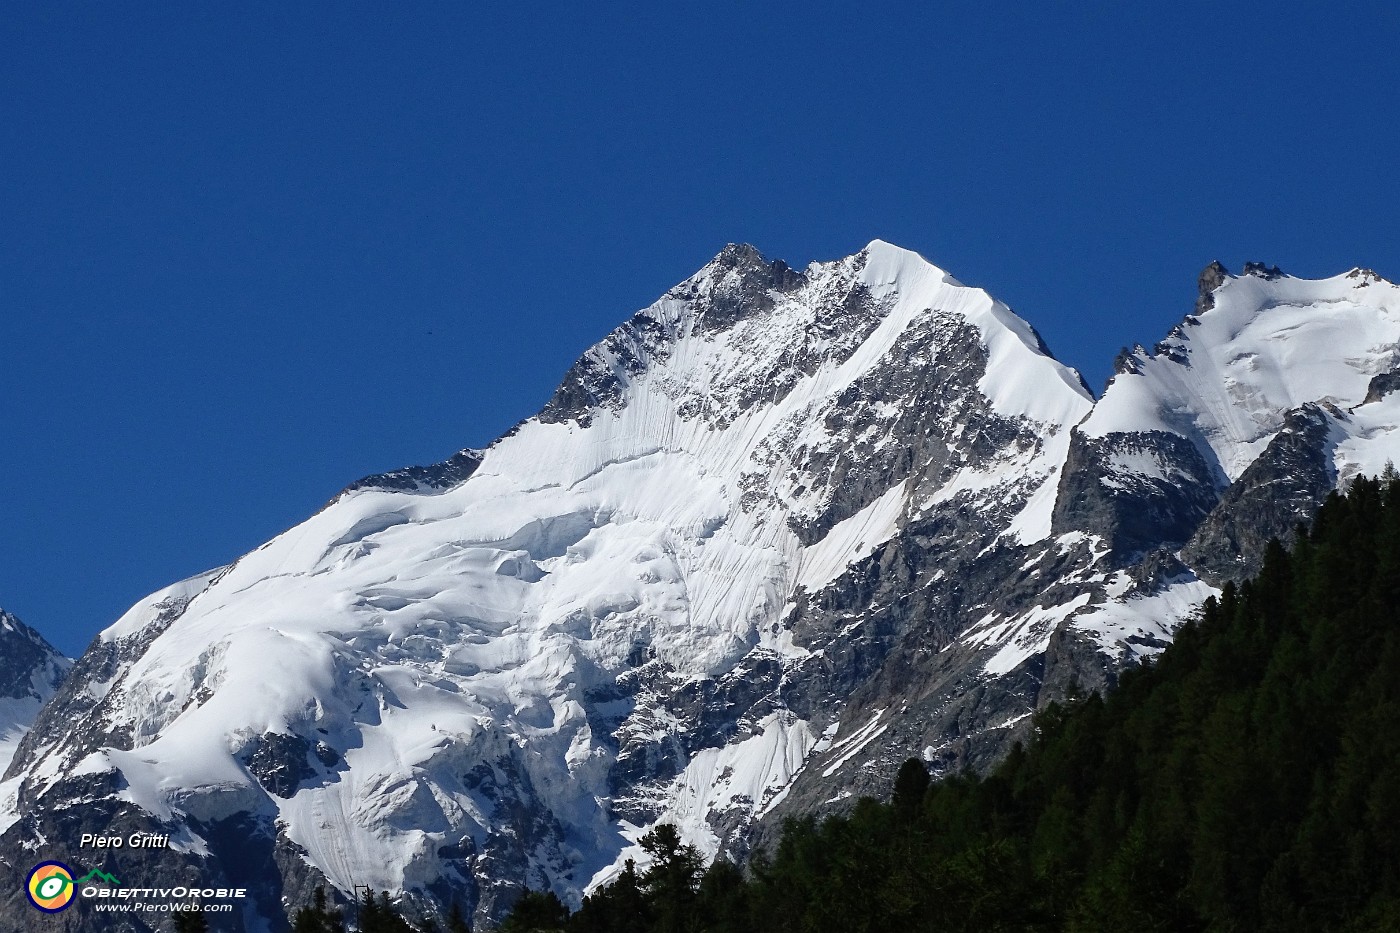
(455, 469)
(30, 672)
(30, 668)
(1277, 492)
(1138, 491)
(775, 534)
(744, 284)
(1211, 278)
(1382, 385)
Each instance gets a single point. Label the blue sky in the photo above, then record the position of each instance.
(251, 252)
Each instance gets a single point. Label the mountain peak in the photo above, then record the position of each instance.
(1261, 344)
(24, 653)
(747, 262)
(1363, 277)
(30, 672)
(885, 260)
(735, 254)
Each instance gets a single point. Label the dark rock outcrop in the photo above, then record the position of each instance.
(1211, 278)
(455, 469)
(1284, 486)
(1382, 385)
(1135, 510)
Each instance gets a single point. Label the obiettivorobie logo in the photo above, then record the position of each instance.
(50, 887)
(97, 875)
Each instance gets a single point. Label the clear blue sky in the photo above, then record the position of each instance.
(250, 252)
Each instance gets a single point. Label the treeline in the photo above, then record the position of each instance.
(1248, 779)
(371, 914)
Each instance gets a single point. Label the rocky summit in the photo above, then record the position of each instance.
(777, 533)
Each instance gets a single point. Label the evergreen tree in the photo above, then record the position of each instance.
(191, 921)
(619, 907)
(722, 901)
(377, 915)
(320, 917)
(537, 912)
(910, 784)
(456, 923)
(671, 881)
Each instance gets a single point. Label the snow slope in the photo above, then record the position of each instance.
(1270, 343)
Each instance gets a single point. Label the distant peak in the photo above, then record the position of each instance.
(737, 283)
(738, 254)
(879, 247)
(1365, 277)
(750, 264)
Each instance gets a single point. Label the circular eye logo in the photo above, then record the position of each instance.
(50, 886)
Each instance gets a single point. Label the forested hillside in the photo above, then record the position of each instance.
(1248, 779)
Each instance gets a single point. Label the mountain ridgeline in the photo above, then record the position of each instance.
(1244, 779)
(772, 536)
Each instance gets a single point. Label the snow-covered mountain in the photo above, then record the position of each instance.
(30, 672)
(772, 536)
(1276, 389)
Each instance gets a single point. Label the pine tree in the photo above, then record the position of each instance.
(537, 912)
(320, 917)
(191, 921)
(456, 923)
(909, 786)
(671, 881)
(619, 907)
(377, 915)
(722, 900)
